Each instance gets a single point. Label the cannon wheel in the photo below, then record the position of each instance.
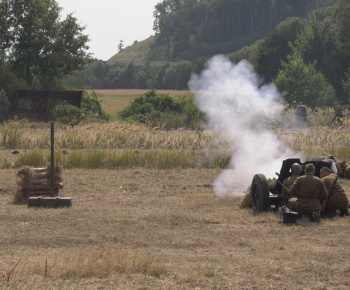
(260, 193)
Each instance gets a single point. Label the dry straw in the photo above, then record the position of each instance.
(37, 181)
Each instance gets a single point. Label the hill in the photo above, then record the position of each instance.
(190, 30)
(135, 52)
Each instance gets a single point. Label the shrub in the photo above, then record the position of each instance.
(161, 110)
(33, 158)
(68, 114)
(91, 106)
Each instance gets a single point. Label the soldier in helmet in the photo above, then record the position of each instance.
(338, 114)
(300, 114)
(288, 182)
(337, 200)
(306, 194)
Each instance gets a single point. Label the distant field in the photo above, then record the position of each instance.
(114, 101)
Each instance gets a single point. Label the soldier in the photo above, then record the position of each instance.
(288, 182)
(338, 114)
(306, 194)
(337, 200)
(300, 114)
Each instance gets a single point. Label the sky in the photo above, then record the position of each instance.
(109, 21)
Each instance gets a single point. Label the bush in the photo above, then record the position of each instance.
(161, 110)
(68, 114)
(91, 106)
(34, 158)
(303, 83)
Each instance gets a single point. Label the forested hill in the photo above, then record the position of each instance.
(187, 29)
(306, 55)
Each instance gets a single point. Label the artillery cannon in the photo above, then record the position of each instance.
(267, 198)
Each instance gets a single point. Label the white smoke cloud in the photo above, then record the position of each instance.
(241, 110)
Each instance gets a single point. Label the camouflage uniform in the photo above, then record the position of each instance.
(306, 192)
(338, 200)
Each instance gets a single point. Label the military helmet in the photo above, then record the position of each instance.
(300, 104)
(309, 168)
(296, 168)
(325, 169)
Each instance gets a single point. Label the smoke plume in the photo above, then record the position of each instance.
(241, 110)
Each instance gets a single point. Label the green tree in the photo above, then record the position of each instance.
(269, 53)
(342, 20)
(183, 70)
(40, 47)
(303, 83)
(126, 77)
(140, 80)
(159, 76)
(346, 86)
(170, 78)
(320, 43)
(120, 45)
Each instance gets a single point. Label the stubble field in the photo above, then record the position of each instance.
(162, 229)
(147, 228)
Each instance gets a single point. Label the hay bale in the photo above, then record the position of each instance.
(24, 173)
(37, 181)
(57, 172)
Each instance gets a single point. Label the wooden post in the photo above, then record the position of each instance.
(52, 157)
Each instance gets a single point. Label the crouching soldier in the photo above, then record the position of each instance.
(337, 201)
(306, 194)
(295, 170)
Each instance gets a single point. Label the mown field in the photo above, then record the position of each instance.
(144, 214)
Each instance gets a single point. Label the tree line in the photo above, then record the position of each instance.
(188, 28)
(101, 75)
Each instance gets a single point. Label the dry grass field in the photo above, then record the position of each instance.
(162, 229)
(143, 227)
